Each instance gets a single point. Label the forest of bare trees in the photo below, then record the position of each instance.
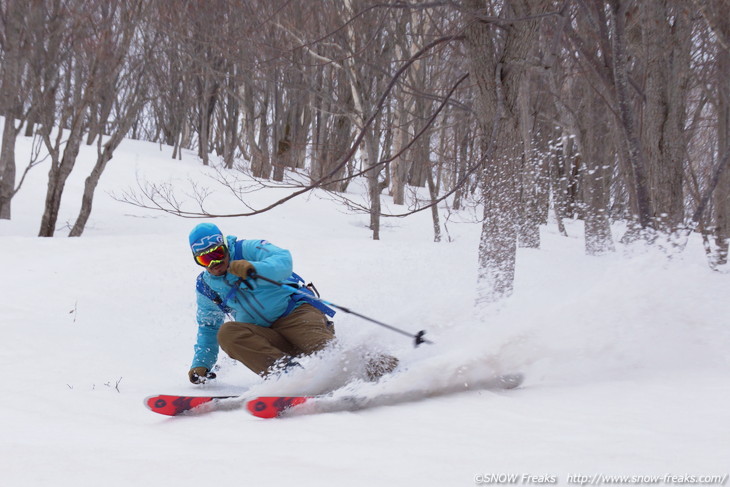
(599, 110)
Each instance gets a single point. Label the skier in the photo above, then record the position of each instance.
(273, 324)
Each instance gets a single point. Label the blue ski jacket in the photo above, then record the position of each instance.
(261, 306)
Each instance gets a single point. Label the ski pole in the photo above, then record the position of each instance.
(418, 337)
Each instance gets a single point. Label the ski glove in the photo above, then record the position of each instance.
(242, 268)
(198, 375)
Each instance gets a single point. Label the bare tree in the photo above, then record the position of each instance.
(170, 77)
(597, 160)
(79, 60)
(123, 79)
(716, 16)
(498, 56)
(61, 73)
(15, 20)
(665, 41)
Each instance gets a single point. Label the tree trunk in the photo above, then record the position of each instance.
(434, 193)
(57, 177)
(419, 167)
(7, 166)
(302, 129)
(399, 166)
(282, 129)
(103, 158)
(596, 173)
(722, 192)
(231, 128)
(29, 128)
(559, 186)
(260, 162)
(374, 187)
(627, 124)
(333, 139)
(207, 93)
(497, 72)
(461, 153)
(667, 55)
(283, 152)
(89, 188)
(529, 211)
(11, 104)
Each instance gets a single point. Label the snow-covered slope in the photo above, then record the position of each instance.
(625, 356)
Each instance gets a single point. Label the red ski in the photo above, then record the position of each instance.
(274, 406)
(277, 406)
(174, 405)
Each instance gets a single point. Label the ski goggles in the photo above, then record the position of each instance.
(211, 256)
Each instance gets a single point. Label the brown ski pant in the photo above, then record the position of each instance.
(303, 331)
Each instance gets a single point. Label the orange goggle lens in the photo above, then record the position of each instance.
(211, 256)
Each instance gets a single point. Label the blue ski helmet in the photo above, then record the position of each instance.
(205, 236)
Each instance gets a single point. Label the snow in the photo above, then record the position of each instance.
(625, 356)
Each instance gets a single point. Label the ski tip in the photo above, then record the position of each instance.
(273, 406)
(160, 404)
(174, 405)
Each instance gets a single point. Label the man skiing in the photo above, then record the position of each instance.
(270, 326)
(273, 323)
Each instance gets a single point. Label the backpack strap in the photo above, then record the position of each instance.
(296, 281)
(237, 251)
(205, 289)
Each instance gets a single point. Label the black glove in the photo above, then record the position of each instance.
(198, 375)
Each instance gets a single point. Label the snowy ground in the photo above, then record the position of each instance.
(626, 356)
